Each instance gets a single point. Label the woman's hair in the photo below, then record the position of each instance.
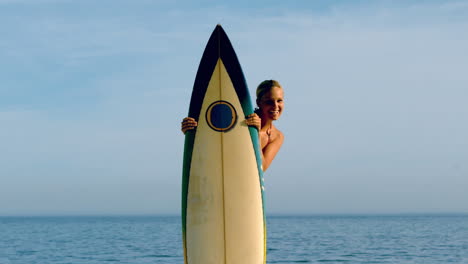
(265, 87)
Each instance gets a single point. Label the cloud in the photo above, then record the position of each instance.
(368, 91)
(375, 103)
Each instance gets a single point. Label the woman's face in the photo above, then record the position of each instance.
(272, 103)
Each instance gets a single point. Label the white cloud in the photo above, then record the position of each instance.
(372, 95)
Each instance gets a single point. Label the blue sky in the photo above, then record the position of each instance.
(92, 94)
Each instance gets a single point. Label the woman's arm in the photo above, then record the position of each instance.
(269, 151)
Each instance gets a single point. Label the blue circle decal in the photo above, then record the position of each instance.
(221, 116)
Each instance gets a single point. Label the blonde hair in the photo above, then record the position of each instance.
(265, 86)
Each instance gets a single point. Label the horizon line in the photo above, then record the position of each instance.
(276, 214)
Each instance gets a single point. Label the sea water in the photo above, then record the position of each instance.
(291, 239)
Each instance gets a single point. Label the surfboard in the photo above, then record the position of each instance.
(223, 220)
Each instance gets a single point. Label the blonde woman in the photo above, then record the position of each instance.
(270, 102)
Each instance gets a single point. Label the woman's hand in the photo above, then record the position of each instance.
(254, 120)
(188, 123)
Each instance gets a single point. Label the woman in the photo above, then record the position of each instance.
(270, 104)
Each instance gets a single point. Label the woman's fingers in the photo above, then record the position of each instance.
(188, 123)
(253, 120)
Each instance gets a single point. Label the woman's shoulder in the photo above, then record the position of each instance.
(279, 136)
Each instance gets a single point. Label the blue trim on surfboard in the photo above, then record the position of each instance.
(218, 46)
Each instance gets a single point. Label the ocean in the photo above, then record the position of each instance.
(429, 239)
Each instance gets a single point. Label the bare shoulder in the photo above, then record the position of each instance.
(279, 136)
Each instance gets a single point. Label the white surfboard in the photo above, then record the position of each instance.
(223, 219)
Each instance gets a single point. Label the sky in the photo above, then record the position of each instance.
(92, 94)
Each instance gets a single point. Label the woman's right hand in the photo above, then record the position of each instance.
(188, 123)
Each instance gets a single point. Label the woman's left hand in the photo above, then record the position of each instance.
(254, 120)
